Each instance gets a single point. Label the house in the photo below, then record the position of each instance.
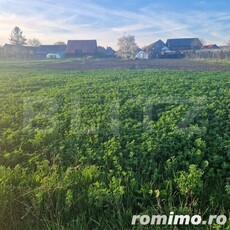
(210, 47)
(79, 48)
(44, 50)
(179, 44)
(105, 52)
(142, 55)
(211, 51)
(155, 48)
(18, 51)
(226, 47)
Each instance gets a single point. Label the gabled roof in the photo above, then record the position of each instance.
(155, 46)
(183, 43)
(86, 46)
(44, 49)
(211, 46)
(11, 47)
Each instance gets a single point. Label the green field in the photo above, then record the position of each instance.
(88, 149)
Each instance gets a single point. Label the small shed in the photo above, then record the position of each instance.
(142, 55)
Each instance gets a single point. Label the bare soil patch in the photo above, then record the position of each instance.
(176, 64)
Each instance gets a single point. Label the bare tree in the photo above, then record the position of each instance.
(196, 44)
(228, 42)
(203, 42)
(34, 42)
(16, 37)
(60, 43)
(127, 47)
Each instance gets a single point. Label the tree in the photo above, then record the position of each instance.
(59, 43)
(16, 37)
(228, 43)
(127, 47)
(34, 42)
(203, 42)
(196, 44)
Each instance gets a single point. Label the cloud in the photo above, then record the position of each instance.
(51, 21)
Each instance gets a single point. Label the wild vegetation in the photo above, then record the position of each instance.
(89, 149)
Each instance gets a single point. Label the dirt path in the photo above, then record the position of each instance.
(176, 64)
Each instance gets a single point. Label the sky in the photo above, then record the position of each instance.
(107, 20)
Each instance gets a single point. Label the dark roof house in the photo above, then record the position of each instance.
(78, 48)
(156, 46)
(184, 43)
(43, 50)
(105, 52)
(226, 47)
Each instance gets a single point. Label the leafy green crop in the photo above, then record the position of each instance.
(89, 149)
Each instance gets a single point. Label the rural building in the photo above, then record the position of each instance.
(79, 48)
(225, 47)
(142, 55)
(210, 47)
(179, 44)
(105, 52)
(211, 51)
(155, 48)
(44, 50)
(18, 51)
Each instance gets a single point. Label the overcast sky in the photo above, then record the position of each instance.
(107, 20)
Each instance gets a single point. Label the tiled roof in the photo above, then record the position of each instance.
(86, 46)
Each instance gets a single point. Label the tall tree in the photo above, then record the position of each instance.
(127, 47)
(16, 37)
(34, 42)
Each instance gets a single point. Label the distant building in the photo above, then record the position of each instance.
(142, 55)
(210, 47)
(180, 44)
(18, 51)
(155, 48)
(79, 48)
(227, 47)
(44, 50)
(105, 52)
